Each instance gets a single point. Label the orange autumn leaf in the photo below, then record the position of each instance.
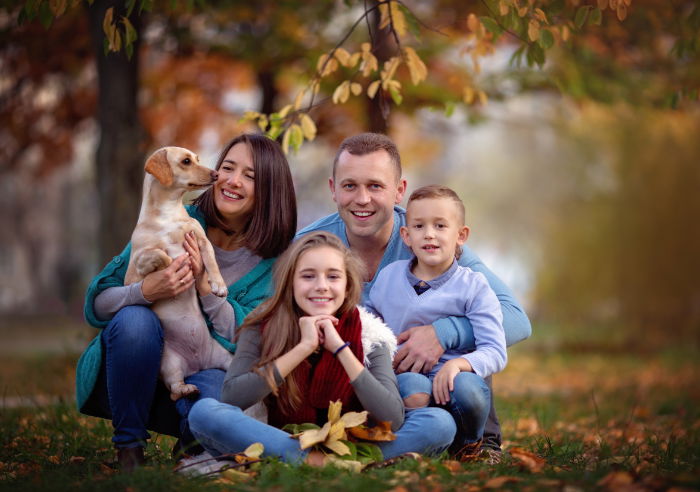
(616, 480)
(499, 482)
(380, 432)
(527, 460)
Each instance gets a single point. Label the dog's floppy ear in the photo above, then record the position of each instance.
(159, 167)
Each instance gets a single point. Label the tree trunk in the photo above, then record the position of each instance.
(378, 108)
(266, 81)
(120, 150)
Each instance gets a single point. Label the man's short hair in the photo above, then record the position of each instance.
(366, 143)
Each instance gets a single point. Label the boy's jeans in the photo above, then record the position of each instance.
(223, 428)
(469, 402)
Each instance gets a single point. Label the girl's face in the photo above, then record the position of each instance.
(320, 281)
(234, 191)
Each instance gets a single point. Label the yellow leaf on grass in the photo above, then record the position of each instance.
(314, 436)
(338, 447)
(234, 476)
(255, 450)
(353, 419)
(334, 409)
(354, 466)
(337, 431)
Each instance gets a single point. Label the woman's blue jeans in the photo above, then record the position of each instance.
(128, 390)
(469, 403)
(223, 428)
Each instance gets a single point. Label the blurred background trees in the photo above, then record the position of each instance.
(569, 127)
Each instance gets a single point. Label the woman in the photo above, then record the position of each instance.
(309, 345)
(250, 217)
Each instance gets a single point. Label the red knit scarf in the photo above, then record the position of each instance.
(327, 381)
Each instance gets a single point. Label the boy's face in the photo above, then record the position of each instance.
(433, 230)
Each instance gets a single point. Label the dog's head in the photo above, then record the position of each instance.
(179, 168)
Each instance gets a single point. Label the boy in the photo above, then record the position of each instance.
(431, 286)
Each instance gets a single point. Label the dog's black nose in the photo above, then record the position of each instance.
(214, 175)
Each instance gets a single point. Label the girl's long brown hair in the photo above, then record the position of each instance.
(280, 314)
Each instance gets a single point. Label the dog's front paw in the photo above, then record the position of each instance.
(182, 390)
(218, 287)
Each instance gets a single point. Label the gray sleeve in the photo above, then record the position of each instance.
(243, 387)
(221, 315)
(377, 389)
(111, 300)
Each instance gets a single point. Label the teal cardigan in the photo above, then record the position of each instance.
(244, 296)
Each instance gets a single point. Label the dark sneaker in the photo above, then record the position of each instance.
(130, 458)
(468, 452)
(491, 456)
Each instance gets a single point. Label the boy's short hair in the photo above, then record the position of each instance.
(440, 191)
(366, 143)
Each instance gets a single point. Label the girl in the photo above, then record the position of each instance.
(250, 217)
(306, 346)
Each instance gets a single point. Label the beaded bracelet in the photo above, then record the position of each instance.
(340, 348)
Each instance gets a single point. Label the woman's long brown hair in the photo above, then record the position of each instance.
(274, 218)
(279, 315)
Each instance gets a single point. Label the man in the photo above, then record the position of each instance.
(367, 187)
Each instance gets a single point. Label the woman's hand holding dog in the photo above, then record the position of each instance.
(197, 265)
(170, 281)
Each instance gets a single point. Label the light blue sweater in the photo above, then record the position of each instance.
(454, 332)
(464, 293)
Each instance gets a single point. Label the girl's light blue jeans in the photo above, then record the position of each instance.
(469, 402)
(223, 428)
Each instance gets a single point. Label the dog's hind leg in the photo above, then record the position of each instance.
(151, 260)
(171, 370)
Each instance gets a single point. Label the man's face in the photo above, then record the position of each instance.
(366, 188)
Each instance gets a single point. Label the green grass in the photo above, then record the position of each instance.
(598, 420)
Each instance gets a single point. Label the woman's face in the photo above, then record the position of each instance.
(234, 191)
(320, 281)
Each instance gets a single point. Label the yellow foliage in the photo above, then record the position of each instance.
(372, 89)
(308, 127)
(342, 92)
(391, 14)
(533, 30)
(416, 67)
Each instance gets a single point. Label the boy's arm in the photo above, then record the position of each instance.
(424, 345)
(458, 333)
(484, 312)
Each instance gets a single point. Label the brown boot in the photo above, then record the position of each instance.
(130, 458)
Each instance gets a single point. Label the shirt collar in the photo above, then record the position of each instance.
(435, 283)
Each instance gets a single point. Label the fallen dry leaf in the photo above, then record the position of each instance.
(380, 432)
(527, 460)
(616, 479)
(452, 465)
(499, 482)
